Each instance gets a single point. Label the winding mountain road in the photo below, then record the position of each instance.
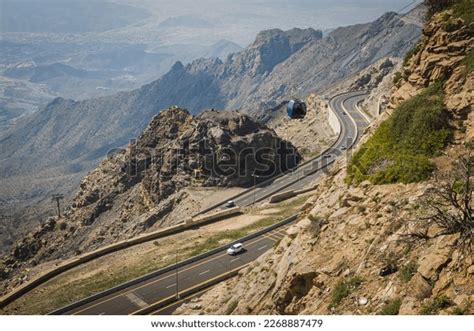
(170, 289)
(352, 125)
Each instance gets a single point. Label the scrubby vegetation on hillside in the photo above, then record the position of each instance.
(392, 307)
(468, 62)
(411, 53)
(343, 288)
(464, 9)
(401, 148)
(449, 201)
(460, 8)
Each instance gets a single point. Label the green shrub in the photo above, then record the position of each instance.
(392, 307)
(315, 218)
(468, 62)
(401, 148)
(458, 311)
(411, 53)
(461, 8)
(464, 9)
(450, 25)
(231, 307)
(407, 271)
(343, 288)
(437, 304)
(438, 5)
(397, 77)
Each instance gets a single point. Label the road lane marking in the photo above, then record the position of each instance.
(193, 287)
(274, 233)
(170, 286)
(267, 237)
(204, 272)
(180, 301)
(283, 232)
(165, 277)
(260, 248)
(272, 238)
(136, 300)
(277, 235)
(233, 260)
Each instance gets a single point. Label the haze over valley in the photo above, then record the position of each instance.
(82, 49)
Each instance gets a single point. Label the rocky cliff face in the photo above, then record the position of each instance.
(310, 135)
(445, 43)
(135, 189)
(384, 259)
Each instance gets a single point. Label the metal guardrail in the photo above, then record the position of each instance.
(169, 268)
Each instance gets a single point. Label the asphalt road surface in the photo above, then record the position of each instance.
(134, 298)
(344, 106)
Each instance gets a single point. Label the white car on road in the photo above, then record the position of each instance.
(235, 249)
(230, 204)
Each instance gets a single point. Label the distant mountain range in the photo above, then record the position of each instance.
(52, 148)
(33, 74)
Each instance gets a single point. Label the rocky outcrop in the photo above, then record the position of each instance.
(372, 79)
(445, 43)
(310, 135)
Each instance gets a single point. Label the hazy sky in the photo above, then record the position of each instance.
(244, 18)
(324, 13)
(204, 22)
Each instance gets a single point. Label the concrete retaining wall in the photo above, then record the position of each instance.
(282, 196)
(306, 190)
(216, 216)
(289, 194)
(362, 112)
(334, 121)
